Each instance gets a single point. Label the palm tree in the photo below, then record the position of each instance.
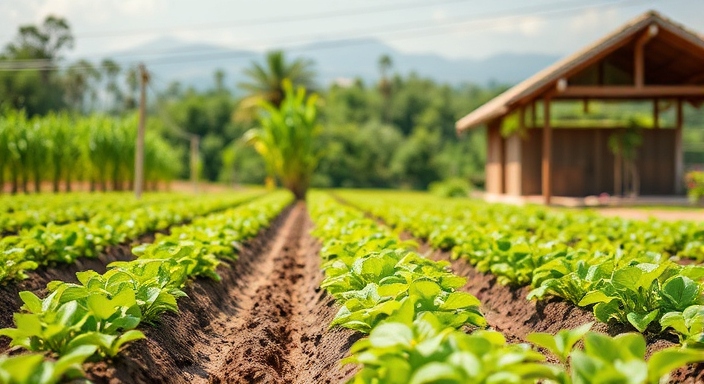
(285, 138)
(385, 65)
(265, 82)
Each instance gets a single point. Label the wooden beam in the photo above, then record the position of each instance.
(679, 155)
(631, 92)
(547, 154)
(696, 78)
(639, 59)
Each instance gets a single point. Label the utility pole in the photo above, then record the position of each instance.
(195, 144)
(139, 152)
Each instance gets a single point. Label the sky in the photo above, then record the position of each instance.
(452, 28)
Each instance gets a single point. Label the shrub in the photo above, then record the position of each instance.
(454, 187)
(695, 186)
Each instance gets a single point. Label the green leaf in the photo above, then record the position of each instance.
(681, 291)
(663, 362)
(595, 297)
(128, 337)
(675, 320)
(21, 368)
(32, 303)
(101, 306)
(641, 320)
(435, 372)
(391, 335)
(459, 300)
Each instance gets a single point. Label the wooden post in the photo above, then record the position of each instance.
(195, 144)
(639, 70)
(679, 155)
(639, 60)
(533, 114)
(598, 161)
(547, 153)
(513, 164)
(618, 174)
(139, 150)
(656, 113)
(494, 160)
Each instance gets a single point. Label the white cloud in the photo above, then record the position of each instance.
(593, 18)
(439, 15)
(525, 25)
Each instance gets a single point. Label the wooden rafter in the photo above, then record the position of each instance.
(627, 91)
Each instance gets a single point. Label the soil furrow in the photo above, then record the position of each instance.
(37, 280)
(282, 336)
(266, 321)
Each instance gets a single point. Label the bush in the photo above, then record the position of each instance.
(695, 186)
(454, 187)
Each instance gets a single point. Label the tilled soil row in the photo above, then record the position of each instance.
(265, 322)
(37, 280)
(508, 311)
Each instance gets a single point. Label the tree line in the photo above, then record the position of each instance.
(394, 132)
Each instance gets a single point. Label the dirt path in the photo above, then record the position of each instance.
(265, 322)
(695, 214)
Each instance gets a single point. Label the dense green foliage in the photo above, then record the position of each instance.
(62, 149)
(695, 186)
(621, 268)
(413, 341)
(66, 208)
(53, 243)
(98, 316)
(286, 138)
(374, 275)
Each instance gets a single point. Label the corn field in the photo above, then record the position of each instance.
(63, 149)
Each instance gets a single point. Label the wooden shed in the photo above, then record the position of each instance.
(649, 60)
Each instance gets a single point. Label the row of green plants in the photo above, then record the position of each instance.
(372, 273)
(50, 244)
(96, 318)
(620, 269)
(57, 210)
(406, 308)
(63, 148)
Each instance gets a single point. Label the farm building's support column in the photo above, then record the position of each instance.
(494, 161)
(513, 176)
(679, 155)
(547, 153)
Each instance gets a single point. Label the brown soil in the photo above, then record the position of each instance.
(693, 214)
(508, 311)
(265, 322)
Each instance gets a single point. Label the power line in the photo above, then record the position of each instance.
(406, 24)
(411, 30)
(267, 21)
(260, 21)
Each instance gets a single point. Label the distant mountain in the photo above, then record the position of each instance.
(193, 64)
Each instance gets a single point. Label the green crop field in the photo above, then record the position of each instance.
(403, 287)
